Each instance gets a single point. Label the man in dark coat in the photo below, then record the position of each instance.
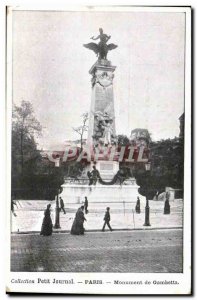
(95, 175)
(62, 205)
(86, 205)
(137, 207)
(107, 219)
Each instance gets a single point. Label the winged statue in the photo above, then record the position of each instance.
(101, 49)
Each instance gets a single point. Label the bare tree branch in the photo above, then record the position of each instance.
(82, 129)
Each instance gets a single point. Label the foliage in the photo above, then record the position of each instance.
(24, 128)
(167, 167)
(167, 163)
(123, 140)
(24, 121)
(32, 176)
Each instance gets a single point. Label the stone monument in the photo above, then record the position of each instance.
(103, 179)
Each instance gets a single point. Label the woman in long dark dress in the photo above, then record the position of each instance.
(47, 225)
(77, 227)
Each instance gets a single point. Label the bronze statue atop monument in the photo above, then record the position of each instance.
(101, 49)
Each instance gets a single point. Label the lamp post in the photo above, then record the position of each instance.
(147, 214)
(147, 208)
(57, 213)
(57, 209)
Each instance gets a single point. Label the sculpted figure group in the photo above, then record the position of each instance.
(103, 129)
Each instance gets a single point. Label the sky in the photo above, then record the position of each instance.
(51, 69)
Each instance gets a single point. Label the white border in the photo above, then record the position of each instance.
(184, 279)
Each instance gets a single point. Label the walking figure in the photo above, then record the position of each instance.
(107, 219)
(86, 205)
(12, 207)
(137, 207)
(167, 204)
(95, 175)
(47, 226)
(77, 226)
(89, 174)
(62, 205)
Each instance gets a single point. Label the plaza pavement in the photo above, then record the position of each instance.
(123, 216)
(140, 251)
(131, 247)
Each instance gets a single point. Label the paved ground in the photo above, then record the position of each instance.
(139, 251)
(123, 216)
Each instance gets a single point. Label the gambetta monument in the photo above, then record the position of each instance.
(103, 180)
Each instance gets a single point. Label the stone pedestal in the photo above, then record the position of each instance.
(75, 193)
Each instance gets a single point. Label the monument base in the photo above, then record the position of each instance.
(76, 192)
(107, 169)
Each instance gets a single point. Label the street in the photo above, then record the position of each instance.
(140, 251)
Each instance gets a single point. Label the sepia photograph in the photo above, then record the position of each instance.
(99, 150)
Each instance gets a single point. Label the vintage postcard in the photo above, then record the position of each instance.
(98, 148)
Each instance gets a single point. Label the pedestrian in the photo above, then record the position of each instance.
(86, 205)
(167, 204)
(157, 196)
(77, 226)
(107, 219)
(89, 174)
(12, 207)
(62, 205)
(47, 226)
(95, 175)
(137, 207)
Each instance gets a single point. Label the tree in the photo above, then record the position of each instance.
(123, 140)
(33, 177)
(24, 128)
(140, 136)
(167, 167)
(24, 148)
(82, 129)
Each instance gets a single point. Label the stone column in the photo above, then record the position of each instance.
(101, 130)
(102, 101)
